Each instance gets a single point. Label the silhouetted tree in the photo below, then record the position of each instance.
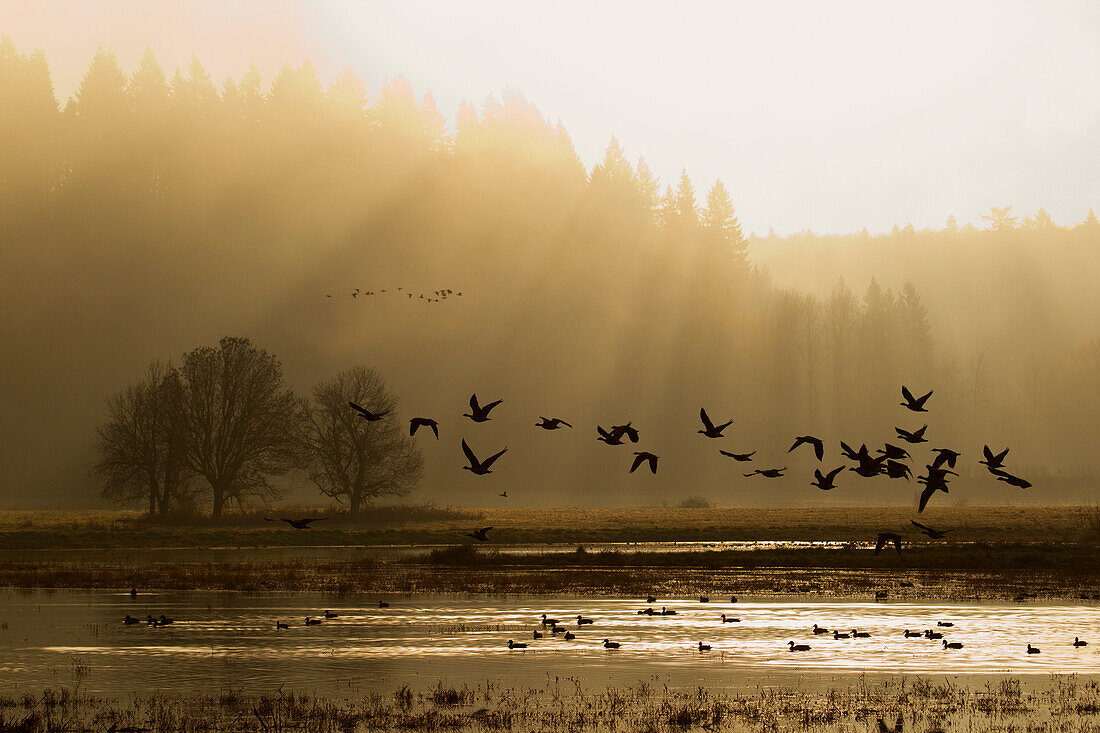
(241, 421)
(353, 460)
(721, 224)
(1000, 220)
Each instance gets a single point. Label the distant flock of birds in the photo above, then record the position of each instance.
(886, 461)
(554, 627)
(436, 296)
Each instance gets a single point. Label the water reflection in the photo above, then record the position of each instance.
(229, 640)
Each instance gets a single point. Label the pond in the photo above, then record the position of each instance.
(229, 641)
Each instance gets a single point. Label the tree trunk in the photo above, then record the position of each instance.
(219, 500)
(355, 499)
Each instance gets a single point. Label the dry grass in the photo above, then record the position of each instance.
(1063, 703)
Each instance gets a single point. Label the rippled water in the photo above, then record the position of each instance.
(229, 640)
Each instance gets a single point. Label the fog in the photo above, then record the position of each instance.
(147, 215)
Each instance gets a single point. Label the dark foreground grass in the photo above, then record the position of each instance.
(1065, 704)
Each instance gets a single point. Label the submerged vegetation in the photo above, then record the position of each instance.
(1063, 703)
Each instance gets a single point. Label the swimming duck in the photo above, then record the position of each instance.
(536, 635)
(704, 599)
(704, 647)
(820, 630)
(952, 644)
(733, 599)
(1078, 642)
(666, 612)
(558, 629)
(798, 647)
(281, 625)
(944, 623)
(611, 644)
(729, 619)
(312, 621)
(516, 645)
(165, 621)
(651, 599)
(130, 620)
(930, 634)
(910, 634)
(331, 614)
(570, 636)
(1033, 649)
(548, 621)
(860, 634)
(582, 621)
(383, 604)
(838, 635)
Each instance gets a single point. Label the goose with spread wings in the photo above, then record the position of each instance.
(818, 445)
(885, 538)
(914, 437)
(936, 534)
(825, 482)
(481, 535)
(709, 428)
(477, 467)
(738, 456)
(296, 523)
(367, 414)
(641, 457)
(418, 422)
(479, 413)
(916, 404)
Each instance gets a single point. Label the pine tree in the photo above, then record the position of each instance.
(687, 212)
(721, 224)
(1090, 222)
(435, 126)
(101, 96)
(346, 95)
(148, 89)
(614, 170)
(952, 226)
(648, 185)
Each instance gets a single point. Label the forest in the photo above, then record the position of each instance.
(153, 211)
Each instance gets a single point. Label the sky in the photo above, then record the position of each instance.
(823, 116)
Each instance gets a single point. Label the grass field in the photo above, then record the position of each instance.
(431, 525)
(1063, 703)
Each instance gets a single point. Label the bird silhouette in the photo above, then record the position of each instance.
(504, 494)
(296, 523)
(926, 494)
(869, 466)
(367, 414)
(819, 447)
(895, 469)
(893, 452)
(738, 456)
(516, 645)
(945, 455)
(477, 412)
(825, 483)
(642, 456)
(768, 472)
(798, 647)
(917, 436)
(555, 423)
(281, 625)
(709, 428)
(611, 644)
(481, 535)
(704, 647)
(625, 430)
(952, 644)
(1033, 649)
(417, 422)
(993, 460)
(609, 437)
(476, 467)
(936, 534)
(916, 404)
(1009, 479)
(885, 538)
(850, 453)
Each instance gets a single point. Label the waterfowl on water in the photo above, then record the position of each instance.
(838, 635)
(646, 612)
(281, 625)
(331, 614)
(860, 634)
(383, 604)
(666, 612)
(549, 621)
(133, 592)
(880, 595)
(536, 635)
(733, 599)
(952, 644)
(651, 599)
(820, 630)
(1033, 649)
(704, 647)
(1078, 642)
(558, 630)
(798, 647)
(611, 644)
(704, 599)
(516, 645)
(930, 634)
(582, 621)
(570, 636)
(944, 623)
(729, 619)
(130, 620)
(911, 634)
(312, 621)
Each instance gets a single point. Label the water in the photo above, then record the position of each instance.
(228, 640)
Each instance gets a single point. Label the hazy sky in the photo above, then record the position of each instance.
(829, 116)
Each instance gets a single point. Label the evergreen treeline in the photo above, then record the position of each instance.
(154, 210)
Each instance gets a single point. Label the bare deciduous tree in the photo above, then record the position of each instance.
(241, 421)
(351, 459)
(141, 448)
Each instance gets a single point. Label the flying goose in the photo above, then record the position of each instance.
(917, 436)
(296, 523)
(610, 437)
(481, 535)
(547, 423)
(630, 432)
(1009, 479)
(993, 460)
(767, 472)
(885, 538)
(936, 534)
(418, 422)
(476, 467)
(818, 445)
(642, 456)
(477, 412)
(825, 483)
(738, 456)
(709, 428)
(945, 455)
(367, 414)
(896, 469)
(893, 452)
(916, 404)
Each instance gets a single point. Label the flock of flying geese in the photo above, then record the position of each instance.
(436, 296)
(890, 460)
